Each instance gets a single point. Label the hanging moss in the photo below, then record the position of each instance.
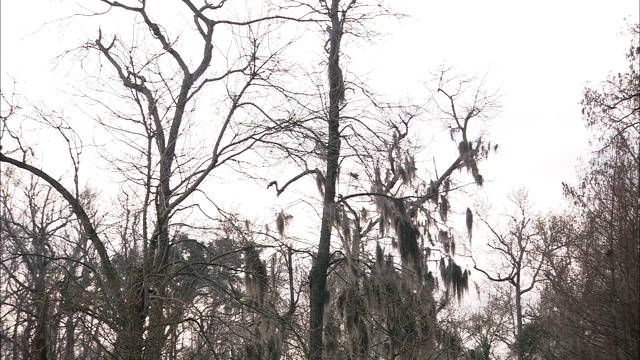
(253, 351)
(256, 280)
(444, 274)
(410, 166)
(431, 280)
(331, 336)
(444, 207)
(469, 155)
(274, 346)
(407, 241)
(407, 235)
(457, 279)
(362, 340)
(280, 224)
(443, 237)
(432, 190)
(327, 296)
(282, 220)
(379, 257)
(351, 309)
(390, 265)
(454, 277)
(346, 228)
(403, 175)
(469, 223)
(364, 215)
(337, 216)
(320, 182)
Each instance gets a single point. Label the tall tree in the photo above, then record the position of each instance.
(318, 274)
(523, 253)
(381, 195)
(32, 219)
(489, 326)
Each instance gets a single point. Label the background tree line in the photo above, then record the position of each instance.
(582, 263)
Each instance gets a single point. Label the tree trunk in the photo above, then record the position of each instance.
(156, 331)
(70, 338)
(40, 338)
(318, 274)
(130, 339)
(519, 318)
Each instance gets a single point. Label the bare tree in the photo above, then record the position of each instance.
(489, 326)
(523, 253)
(32, 218)
(151, 111)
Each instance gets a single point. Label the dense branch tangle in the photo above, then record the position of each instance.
(177, 119)
(171, 148)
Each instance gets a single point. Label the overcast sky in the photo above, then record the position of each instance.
(540, 55)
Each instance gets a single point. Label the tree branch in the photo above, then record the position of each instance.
(294, 179)
(78, 210)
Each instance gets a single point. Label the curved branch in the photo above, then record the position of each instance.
(291, 181)
(78, 210)
(496, 279)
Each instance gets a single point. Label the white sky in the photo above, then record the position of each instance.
(539, 54)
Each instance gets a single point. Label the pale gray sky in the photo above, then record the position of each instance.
(540, 55)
